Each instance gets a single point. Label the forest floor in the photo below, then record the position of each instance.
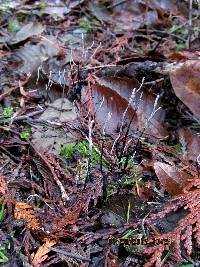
(100, 133)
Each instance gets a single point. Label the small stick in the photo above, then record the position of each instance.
(27, 116)
(69, 254)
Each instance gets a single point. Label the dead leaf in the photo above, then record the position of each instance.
(41, 253)
(185, 55)
(99, 11)
(50, 137)
(59, 10)
(112, 94)
(126, 20)
(30, 56)
(186, 84)
(27, 31)
(172, 179)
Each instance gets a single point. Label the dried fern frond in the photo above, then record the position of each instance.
(185, 233)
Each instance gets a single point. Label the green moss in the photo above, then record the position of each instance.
(82, 149)
(6, 114)
(67, 151)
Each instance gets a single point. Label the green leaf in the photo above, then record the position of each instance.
(3, 257)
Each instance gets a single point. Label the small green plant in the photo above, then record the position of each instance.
(123, 161)
(6, 114)
(133, 178)
(3, 257)
(25, 134)
(67, 151)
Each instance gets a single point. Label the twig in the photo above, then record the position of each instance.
(69, 254)
(27, 116)
(154, 82)
(117, 4)
(164, 32)
(99, 67)
(14, 88)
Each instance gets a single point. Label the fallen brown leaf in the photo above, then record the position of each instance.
(186, 84)
(172, 179)
(112, 94)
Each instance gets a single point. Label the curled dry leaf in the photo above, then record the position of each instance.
(41, 253)
(27, 31)
(186, 84)
(172, 179)
(112, 94)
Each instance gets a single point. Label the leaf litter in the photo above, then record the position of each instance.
(112, 86)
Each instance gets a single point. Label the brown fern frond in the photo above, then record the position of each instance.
(186, 234)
